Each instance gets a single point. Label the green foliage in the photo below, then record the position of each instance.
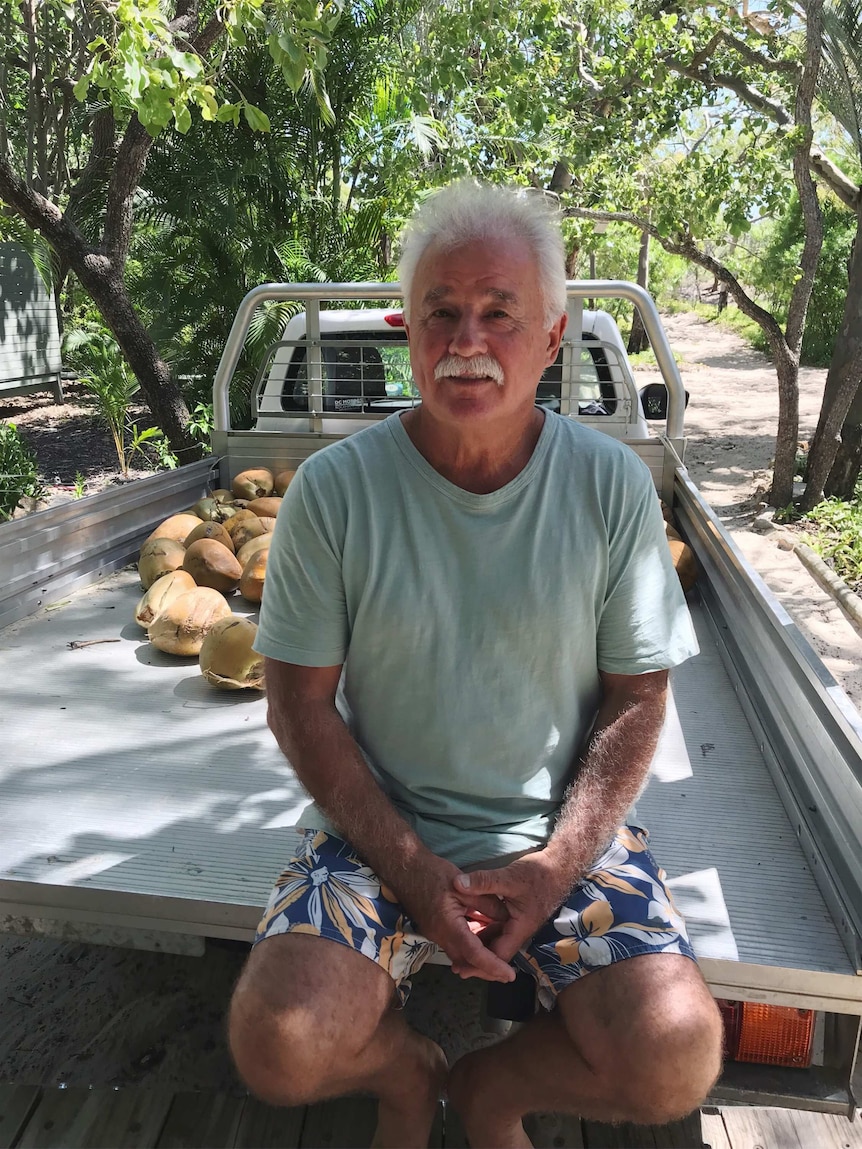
(140, 64)
(838, 536)
(111, 388)
(19, 473)
(773, 266)
(109, 383)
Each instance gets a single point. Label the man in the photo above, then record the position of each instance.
(495, 583)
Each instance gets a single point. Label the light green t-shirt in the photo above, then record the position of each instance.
(472, 627)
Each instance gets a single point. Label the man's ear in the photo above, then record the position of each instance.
(555, 337)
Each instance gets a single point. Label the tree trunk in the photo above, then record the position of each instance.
(786, 440)
(637, 336)
(844, 475)
(842, 383)
(108, 291)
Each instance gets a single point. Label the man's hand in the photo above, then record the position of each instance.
(432, 899)
(530, 889)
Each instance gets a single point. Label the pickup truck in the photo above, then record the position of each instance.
(140, 807)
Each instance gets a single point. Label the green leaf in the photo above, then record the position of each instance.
(257, 120)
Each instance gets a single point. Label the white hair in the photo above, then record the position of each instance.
(467, 210)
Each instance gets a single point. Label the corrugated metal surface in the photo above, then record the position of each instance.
(29, 338)
(131, 791)
(720, 831)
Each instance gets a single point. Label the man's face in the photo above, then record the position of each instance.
(481, 300)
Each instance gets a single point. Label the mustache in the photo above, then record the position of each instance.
(476, 367)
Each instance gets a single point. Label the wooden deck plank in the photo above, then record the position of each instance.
(762, 1128)
(267, 1127)
(202, 1121)
(554, 1131)
(684, 1134)
(119, 1119)
(713, 1131)
(17, 1102)
(626, 1136)
(774, 1128)
(50, 1120)
(454, 1136)
(345, 1123)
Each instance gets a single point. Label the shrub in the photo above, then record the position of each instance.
(19, 474)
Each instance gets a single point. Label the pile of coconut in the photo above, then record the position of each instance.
(193, 562)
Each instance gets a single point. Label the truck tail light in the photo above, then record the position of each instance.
(394, 319)
(767, 1034)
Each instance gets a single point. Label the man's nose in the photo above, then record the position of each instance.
(468, 338)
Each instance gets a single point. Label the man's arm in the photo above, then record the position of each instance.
(312, 735)
(610, 774)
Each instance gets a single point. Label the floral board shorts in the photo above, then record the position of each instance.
(620, 909)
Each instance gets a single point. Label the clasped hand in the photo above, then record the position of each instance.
(482, 919)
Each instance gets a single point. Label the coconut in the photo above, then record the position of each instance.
(261, 542)
(248, 529)
(159, 558)
(176, 527)
(253, 484)
(254, 572)
(184, 623)
(211, 564)
(207, 509)
(283, 480)
(683, 560)
(222, 495)
(227, 659)
(211, 530)
(267, 507)
(268, 524)
(240, 514)
(163, 592)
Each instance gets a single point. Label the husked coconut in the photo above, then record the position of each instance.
(211, 564)
(163, 592)
(283, 480)
(684, 562)
(176, 527)
(184, 623)
(262, 542)
(240, 515)
(254, 572)
(227, 659)
(254, 483)
(247, 529)
(206, 509)
(160, 558)
(265, 507)
(211, 530)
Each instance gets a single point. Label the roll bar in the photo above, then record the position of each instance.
(311, 294)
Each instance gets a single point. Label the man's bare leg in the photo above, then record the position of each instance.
(311, 1019)
(637, 1041)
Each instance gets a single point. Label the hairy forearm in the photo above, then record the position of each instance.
(328, 763)
(610, 774)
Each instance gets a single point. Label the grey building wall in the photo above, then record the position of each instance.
(29, 340)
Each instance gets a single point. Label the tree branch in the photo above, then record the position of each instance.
(752, 56)
(125, 179)
(749, 95)
(41, 215)
(685, 246)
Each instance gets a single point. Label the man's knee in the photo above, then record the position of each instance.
(294, 1034)
(676, 1064)
(667, 1070)
(654, 1041)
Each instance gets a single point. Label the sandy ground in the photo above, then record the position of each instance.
(90, 1015)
